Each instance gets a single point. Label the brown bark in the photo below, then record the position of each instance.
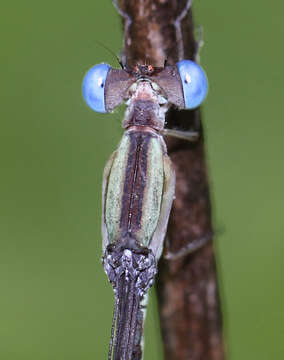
(189, 304)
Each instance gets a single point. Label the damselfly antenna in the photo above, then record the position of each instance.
(111, 52)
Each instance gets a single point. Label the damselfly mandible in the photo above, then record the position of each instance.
(139, 182)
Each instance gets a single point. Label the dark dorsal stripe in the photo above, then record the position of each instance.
(135, 182)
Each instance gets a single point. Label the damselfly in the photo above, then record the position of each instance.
(139, 183)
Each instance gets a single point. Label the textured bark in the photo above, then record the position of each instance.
(189, 304)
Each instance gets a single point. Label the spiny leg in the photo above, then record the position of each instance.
(193, 246)
(199, 43)
(113, 328)
(177, 24)
(180, 134)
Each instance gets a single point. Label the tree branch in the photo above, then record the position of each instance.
(189, 306)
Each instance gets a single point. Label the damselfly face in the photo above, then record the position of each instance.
(183, 85)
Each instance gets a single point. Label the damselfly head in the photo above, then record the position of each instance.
(183, 85)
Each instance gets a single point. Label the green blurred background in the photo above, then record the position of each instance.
(55, 300)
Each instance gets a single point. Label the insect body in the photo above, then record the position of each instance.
(139, 183)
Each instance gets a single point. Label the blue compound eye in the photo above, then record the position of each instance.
(94, 87)
(194, 83)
